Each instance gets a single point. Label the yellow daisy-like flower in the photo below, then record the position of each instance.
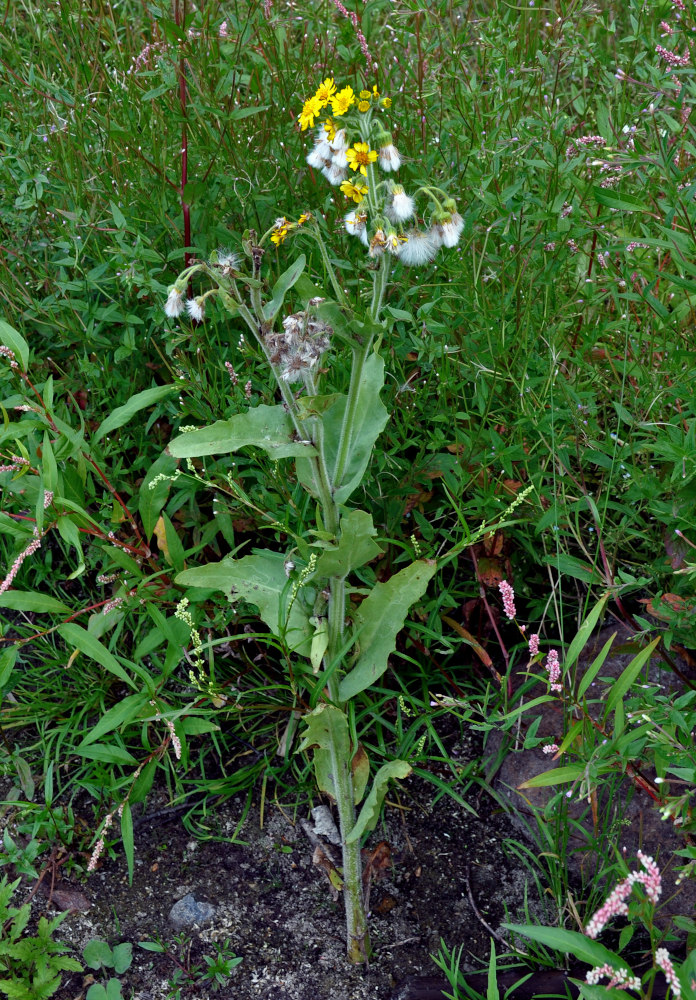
(364, 106)
(326, 91)
(360, 156)
(355, 191)
(310, 110)
(386, 102)
(329, 129)
(375, 92)
(305, 217)
(280, 231)
(341, 101)
(364, 95)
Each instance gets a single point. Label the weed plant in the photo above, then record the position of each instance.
(559, 356)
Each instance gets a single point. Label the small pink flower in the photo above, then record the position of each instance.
(508, 595)
(534, 644)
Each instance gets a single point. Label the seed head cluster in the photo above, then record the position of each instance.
(352, 143)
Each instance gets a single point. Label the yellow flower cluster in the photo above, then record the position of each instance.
(284, 226)
(340, 101)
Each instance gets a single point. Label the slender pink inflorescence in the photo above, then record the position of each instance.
(534, 644)
(234, 378)
(553, 669)
(99, 846)
(353, 18)
(16, 464)
(615, 905)
(618, 978)
(665, 963)
(30, 550)
(508, 595)
(5, 352)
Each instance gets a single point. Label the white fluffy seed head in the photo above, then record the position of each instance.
(419, 248)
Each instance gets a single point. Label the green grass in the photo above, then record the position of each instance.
(553, 348)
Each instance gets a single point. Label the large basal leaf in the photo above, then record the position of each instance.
(370, 420)
(380, 618)
(267, 427)
(356, 545)
(260, 579)
(369, 814)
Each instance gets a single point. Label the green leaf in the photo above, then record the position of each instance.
(113, 990)
(98, 955)
(195, 726)
(369, 814)
(24, 600)
(620, 686)
(380, 618)
(557, 776)
(578, 569)
(267, 427)
(122, 414)
(16, 343)
(356, 546)
(107, 753)
(570, 943)
(68, 531)
(492, 992)
(370, 420)
(78, 638)
(320, 643)
(124, 711)
(238, 113)
(151, 501)
(622, 202)
(127, 838)
(584, 633)
(595, 667)
(260, 579)
(327, 733)
(8, 657)
(282, 287)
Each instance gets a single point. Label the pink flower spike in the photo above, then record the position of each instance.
(508, 595)
(534, 644)
(665, 963)
(554, 670)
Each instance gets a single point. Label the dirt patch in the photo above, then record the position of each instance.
(275, 908)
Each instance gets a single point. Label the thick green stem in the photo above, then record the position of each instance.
(357, 936)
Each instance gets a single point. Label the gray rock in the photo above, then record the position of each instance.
(188, 911)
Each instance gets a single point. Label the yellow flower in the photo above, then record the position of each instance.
(360, 156)
(310, 110)
(355, 191)
(329, 129)
(364, 106)
(305, 217)
(375, 92)
(341, 101)
(386, 102)
(326, 91)
(280, 230)
(364, 95)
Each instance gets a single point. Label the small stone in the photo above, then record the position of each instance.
(188, 911)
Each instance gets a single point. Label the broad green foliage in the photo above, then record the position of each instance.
(30, 964)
